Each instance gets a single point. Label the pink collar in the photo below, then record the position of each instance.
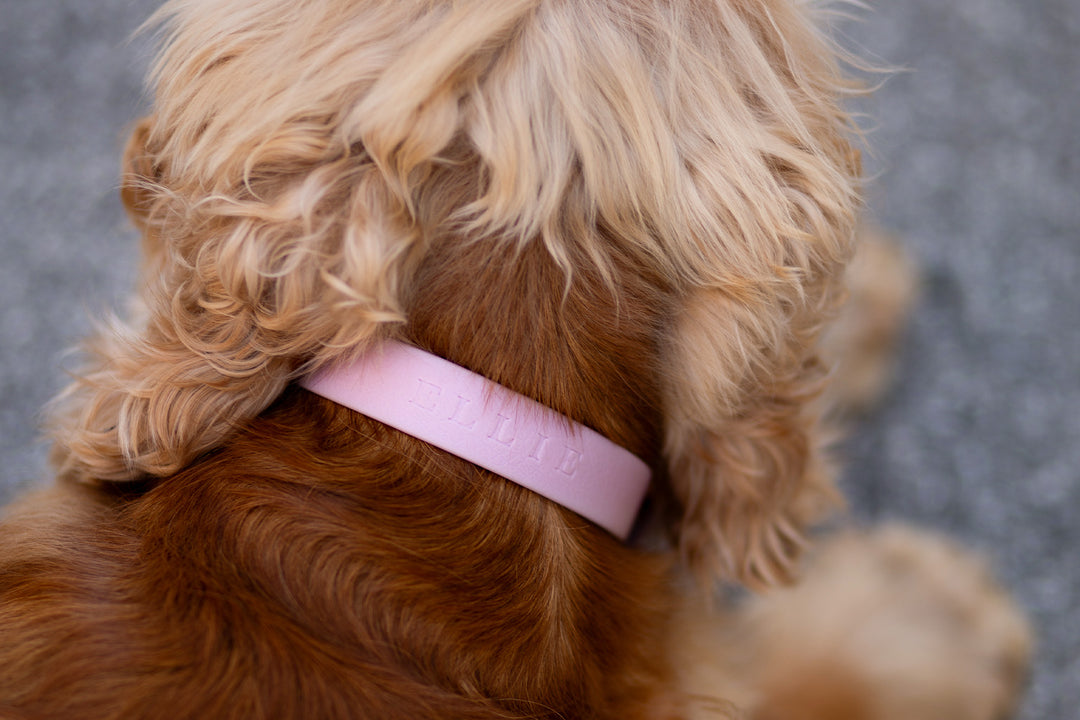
(489, 425)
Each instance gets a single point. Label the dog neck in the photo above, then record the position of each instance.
(487, 424)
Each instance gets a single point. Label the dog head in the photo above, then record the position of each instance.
(304, 158)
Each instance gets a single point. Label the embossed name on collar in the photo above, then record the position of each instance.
(491, 426)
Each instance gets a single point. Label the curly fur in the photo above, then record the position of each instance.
(635, 212)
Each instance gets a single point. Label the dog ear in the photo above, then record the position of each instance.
(238, 297)
(242, 290)
(742, 439)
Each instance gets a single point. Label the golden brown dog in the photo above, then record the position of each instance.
(636, 212)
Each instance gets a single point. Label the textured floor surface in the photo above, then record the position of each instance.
(978, 168)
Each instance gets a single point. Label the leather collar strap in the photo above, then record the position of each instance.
(491, 426)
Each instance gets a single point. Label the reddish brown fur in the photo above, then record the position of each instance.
(320, 562)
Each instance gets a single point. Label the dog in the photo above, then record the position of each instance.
(627, 221)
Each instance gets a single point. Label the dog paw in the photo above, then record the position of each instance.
(890, 625)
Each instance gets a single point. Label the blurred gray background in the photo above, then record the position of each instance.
(977, 164)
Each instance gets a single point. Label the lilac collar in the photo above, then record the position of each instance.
(489, 425)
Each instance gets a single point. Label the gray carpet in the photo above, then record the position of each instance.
(977, 164)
